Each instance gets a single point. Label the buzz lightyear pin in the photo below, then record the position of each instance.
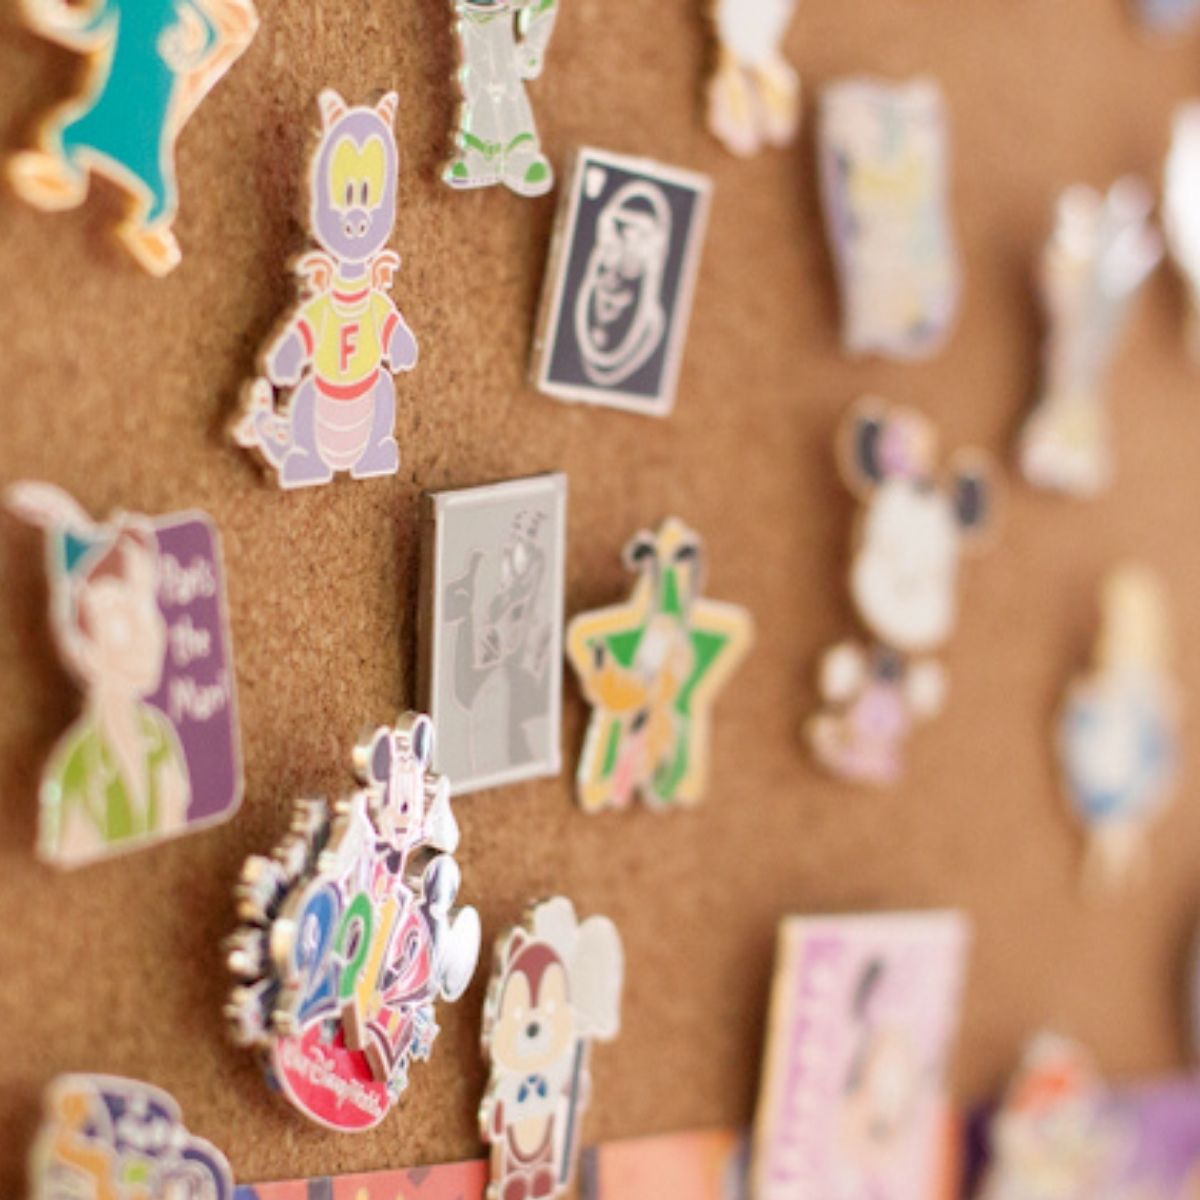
(1119, 730)
(1101, 252)
(503, 45)
(555, 989)
(148, 68)
(652, 669)
(139, 614)
(753, 94)
(349, 935)
(885, 189)
(916, 524)
(105, 1138)
(340, 346)
(1181, 212)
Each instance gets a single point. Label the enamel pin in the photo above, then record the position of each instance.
(491, 630)
(915, 525)
(339, 348)
(502, 44)
(104, 1138)
(1102, 250)
(617, 295)
(652, 669)
(149, 65)
(1168, 16)
(884, 183)
(1119, 730)
(863, 1014)
(754, 92)
(349, 935)
(1181, 212)
(555, 989)
(139, 616)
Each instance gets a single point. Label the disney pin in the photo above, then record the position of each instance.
(148, 69)
(884, 183)
(863, 1014)
(915, 525)
(1119, 729)
(1168, 16)
(349, 935)
(1101, 252)
(652, 668)
(618, 289)
(555, 989)
(491, 629)
(1181, 220)
(503, 45)
(1053, 1137)
(340, 346)
(138, 611)
(754, 92)
(104, 1138)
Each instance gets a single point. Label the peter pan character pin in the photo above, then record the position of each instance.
(652, 669)
(915, 525)
(1181, 211)
(340, 347)
(491, 629)
(503, 44)
(863, 1013)
(555, 989)
(883, 167)
(618, 290)
(349, 935)
(149, 65)
(1119, 731)
(1102, 250)
(104, 1138)
(137, 608)
(754, 93)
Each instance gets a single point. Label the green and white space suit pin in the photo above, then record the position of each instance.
(503, 43)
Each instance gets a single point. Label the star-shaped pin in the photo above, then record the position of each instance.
(651, 669)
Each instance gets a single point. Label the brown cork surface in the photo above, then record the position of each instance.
(116, 386)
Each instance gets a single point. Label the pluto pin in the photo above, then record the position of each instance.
(149, 65)
(915, 525)
(651, 669)
(104, 1138)
(340, 347)
(1102, 250)
(1119, 730)
(754, 92)
(503, 44)
(139, 615)
(555, 989)
(884, 182)
(349, 935)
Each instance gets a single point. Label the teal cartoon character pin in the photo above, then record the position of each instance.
(503, 43)
(149, 65)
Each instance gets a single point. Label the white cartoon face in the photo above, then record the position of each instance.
(619, 315)
(904, 575)
(122, 633)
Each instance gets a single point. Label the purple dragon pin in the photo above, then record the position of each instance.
(345, 339)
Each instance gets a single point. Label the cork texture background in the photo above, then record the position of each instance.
(117, 387)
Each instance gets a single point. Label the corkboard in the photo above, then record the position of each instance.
(116, 386)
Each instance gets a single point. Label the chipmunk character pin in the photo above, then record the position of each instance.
(754, 93)
(651, 669)
(149, 65)
(503, 45)
(1102, 251)
(349, 936)
(1119, 730)
(556, 988)
(340, 347)
(914, 528)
